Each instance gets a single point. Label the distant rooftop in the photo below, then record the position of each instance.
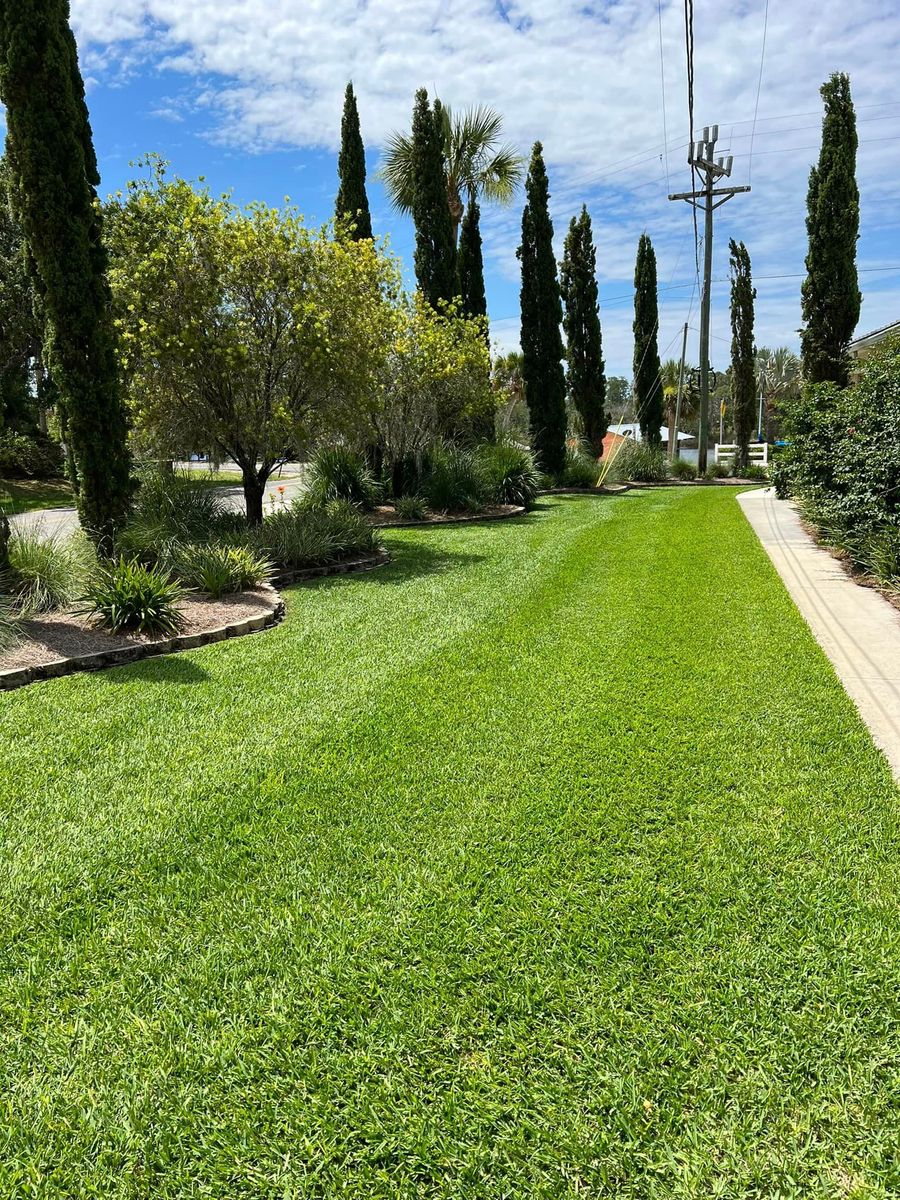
(877, 335)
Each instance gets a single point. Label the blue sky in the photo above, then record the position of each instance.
(248, 94)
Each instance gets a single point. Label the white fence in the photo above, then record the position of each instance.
(759, 453)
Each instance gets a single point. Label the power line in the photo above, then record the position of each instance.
(762, 59)
(662, 81)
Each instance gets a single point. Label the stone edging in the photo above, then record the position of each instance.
(666, 483)
(122, 655)
(368, 562)
(589, 491)
(518, 511)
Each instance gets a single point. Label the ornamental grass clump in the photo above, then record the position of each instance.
(338, 473)
(47, 572)
(305, 536)
(410, 508)
(129, 597)
(510, 473)
(581, 469)
(641, 463)
(683, 470)
(455, 480)
(220, 569)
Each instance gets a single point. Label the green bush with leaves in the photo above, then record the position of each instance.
(455, 480)
(218, 569)
(511, 474)
(29, 456)
(843, 460)
(338, 473)
(641, 463)
(129, 597)
(46, 572)
(410, 508)
(754, 471)
(172, 506)
(682, 469)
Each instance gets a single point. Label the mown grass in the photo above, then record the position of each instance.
(26, 495)
(550, 861)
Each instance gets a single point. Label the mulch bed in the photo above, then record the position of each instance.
(384, 517)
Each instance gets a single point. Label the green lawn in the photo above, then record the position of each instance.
(550, 861)
(25, 495)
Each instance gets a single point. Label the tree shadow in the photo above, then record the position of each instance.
(162, 668)
(408, 561)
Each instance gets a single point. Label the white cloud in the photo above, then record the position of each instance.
(583, 78)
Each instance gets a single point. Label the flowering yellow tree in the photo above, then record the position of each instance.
(240, 329)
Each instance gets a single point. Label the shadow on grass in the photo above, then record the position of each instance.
(166, 668)
(408, 561)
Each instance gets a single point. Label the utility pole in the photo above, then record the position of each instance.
(702, 157)
(673, 449)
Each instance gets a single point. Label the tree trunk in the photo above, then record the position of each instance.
(4, 542)
(254, 488)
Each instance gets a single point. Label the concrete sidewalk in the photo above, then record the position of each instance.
(856, 627)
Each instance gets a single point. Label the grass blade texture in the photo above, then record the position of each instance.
(550, 860)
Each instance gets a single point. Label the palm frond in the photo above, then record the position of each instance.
(396, 173)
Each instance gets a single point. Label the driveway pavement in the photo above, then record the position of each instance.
(61, 521)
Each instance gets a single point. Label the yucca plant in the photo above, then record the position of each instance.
(130, 597)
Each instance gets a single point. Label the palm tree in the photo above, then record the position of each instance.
(476, 164)
(778, 372)
(668, 375)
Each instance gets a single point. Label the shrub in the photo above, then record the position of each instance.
(47, 572)
(510, 474)
(127, 596)
(641, 463)
(455, 481)
(716, 470)
(302, 536)
(337, 473)
(220, 568)
(410, 508)
(33, 456)
(682, 469)
(581, 470)
(781, 478)
(755, 471)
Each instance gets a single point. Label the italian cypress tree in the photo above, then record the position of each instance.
(435, 256)
(471, 263)
(55, 178)
(542, 347)
(648, 393)
(352, 201)
(584, 346)
(830, 295)
(743, 353)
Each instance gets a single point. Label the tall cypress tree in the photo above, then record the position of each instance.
(352, 201)
(435, 256)
(55, 178)
(542, 348)
(648, 393)
(584, 346)
(743, 354)
(471, 263)
(830, 294)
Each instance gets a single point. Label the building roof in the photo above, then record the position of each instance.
(633, 430)
(877, 335)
